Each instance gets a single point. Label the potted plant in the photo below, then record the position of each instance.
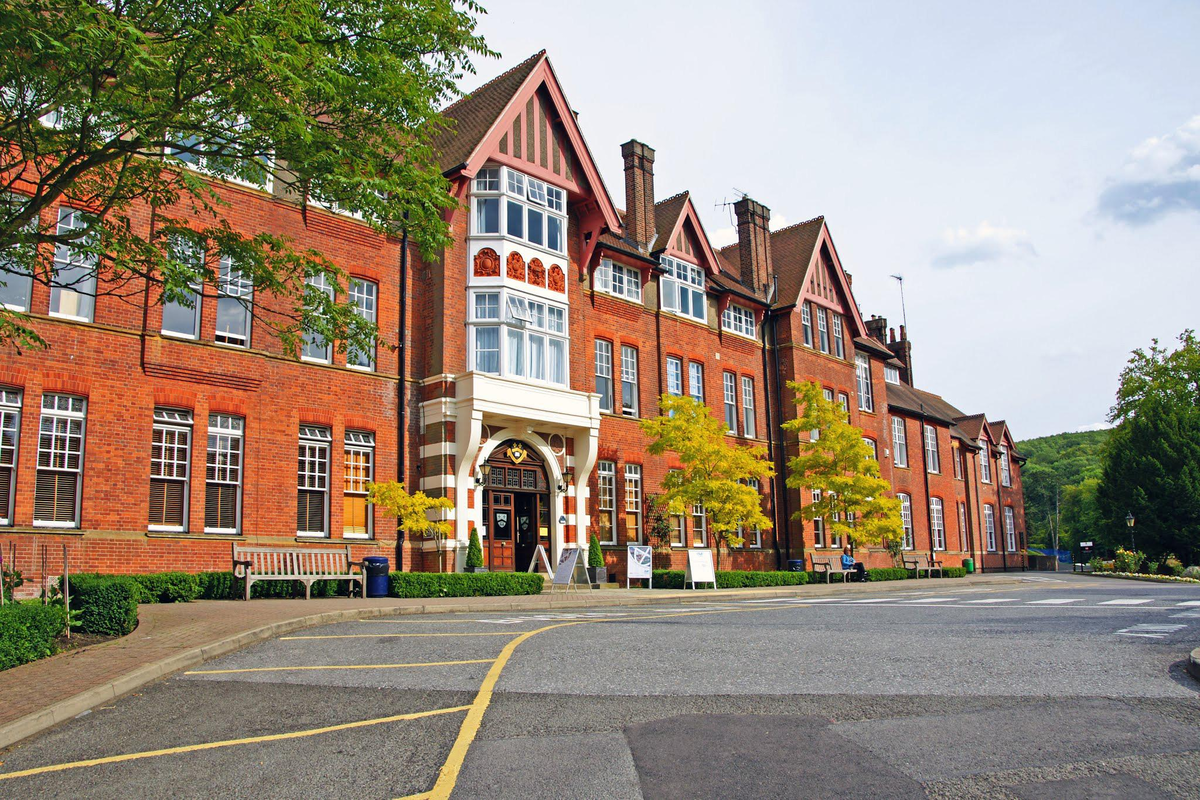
(597, 572)
(475, 553)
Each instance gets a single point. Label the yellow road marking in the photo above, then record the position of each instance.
(340, 666)
(192, 748)
(391, 635)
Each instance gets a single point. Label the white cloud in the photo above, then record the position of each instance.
(1095, 426)
(1161, 175)
(985, 243)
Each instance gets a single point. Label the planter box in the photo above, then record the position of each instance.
(477, 569)
(597, 576)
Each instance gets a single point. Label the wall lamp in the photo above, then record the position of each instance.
(568, 479)
(481, 474)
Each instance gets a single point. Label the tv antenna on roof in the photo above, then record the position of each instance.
(903, 312)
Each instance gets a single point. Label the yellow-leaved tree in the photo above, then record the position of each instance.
(839, 464)
(411, 511)
(715, 472)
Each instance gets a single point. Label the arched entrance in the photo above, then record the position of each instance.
(516, 507)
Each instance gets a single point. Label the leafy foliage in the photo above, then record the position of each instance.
(733, 579)
(1060, 481)
(332, 101)
(107, 604)
(714, 471)
(463, 584)
(839, 464)
(412, 511)
(167, 587)
(28, 631)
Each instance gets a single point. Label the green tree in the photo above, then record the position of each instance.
(412, 511)
(1058, 466)
(1151, 466)
(714, 471)
(334, 101)
(595, 556)
(838, 463)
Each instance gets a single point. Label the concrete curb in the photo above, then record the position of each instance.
(1193, 664)
(72, 707)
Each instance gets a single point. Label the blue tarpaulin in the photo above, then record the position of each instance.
(1064, 556)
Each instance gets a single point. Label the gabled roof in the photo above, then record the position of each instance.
(475, 114)
(666, 219)
(478, 126)
(972, 424)
(997, 430)
(792, 251)
(907, 398)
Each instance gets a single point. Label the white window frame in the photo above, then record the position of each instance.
(740, 320)
(606, 500)
(199, 163)
(173, 464)
(633, 501)
(18, 282)
(234, 289)
(618, 280)
(675, 376)
(906, 521)
(315, 349)
(985, 462)
(185, 250)
(956, 455)
(1010, 530)
(819, 538)
(312, 471)
(696, 381)
(226, 436)
(530, 197)
(55, 453)
(874, 448)
(699, 525)
(358, 451)
(933, 460)
(364, 296)
(604, 372)
(729, 381)
(10, 441)
(937, 523)
(681, 287)
(839, 339)
(749, 423)
(899, 442)
(533, 344)
(806, 323)
(862, 373)
(891, 374)
(1005, 469)
(962, 526)
(823, 330)
(989, 524)
(67, 259)
(629, 381)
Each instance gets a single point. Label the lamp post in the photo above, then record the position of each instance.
(1129, 520)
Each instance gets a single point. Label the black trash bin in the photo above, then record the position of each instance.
(376, 568)
(796, 565)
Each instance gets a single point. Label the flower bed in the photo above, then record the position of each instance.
(1141, 576)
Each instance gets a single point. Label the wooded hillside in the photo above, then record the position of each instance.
(1061, 479)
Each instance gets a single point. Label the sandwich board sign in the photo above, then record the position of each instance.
(640, 564)
(700, 569)
(564, 574)
(540, 554)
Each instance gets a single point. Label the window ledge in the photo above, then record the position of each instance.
(232, 537)
(43, 529)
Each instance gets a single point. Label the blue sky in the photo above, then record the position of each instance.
(1032, 169)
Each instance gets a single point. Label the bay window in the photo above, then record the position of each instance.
(682, 288)
(533, 211)
(739, 320)
(526, 340)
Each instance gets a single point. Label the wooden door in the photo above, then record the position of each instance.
(500, 532)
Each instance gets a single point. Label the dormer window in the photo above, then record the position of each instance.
(619, 280)
(682, 286)
(738, 320)
(891, 374)
(531, 210)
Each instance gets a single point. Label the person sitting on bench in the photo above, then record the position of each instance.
(848, 563)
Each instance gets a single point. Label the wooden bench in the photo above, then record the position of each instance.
(296, 564)
(922, 562)
(830, 566)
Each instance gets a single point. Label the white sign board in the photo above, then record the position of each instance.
(540, 554)
(1086, 544)
(640, 564)
(699, 569)
(564, 575)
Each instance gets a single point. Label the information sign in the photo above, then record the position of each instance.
(564, 574)
(640, 564)
(700, 569)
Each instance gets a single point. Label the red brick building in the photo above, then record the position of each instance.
(149, 436)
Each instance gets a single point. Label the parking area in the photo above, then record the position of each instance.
(1053, 688)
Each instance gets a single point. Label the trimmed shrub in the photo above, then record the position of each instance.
(28, 631)
(462, 584)
(595, 555)
(227, 586)
(167, 587)
(474, 551)
(106, 604)
(889, 574)
(954, 572)
(218, 586)
(733, 579)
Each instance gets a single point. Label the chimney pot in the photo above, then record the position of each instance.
(891, 334)
(903, 335)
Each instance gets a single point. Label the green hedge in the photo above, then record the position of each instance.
(167, 587)
(463, 584)
(733, 579)
(107, 604)
(888, 574)
(28, 632)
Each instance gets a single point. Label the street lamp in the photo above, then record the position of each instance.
(1129, 520)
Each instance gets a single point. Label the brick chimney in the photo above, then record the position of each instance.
(639, 192)
(754, 243)
(902, 349)
(877, 329)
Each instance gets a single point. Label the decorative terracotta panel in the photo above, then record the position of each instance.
(537, 272)
(516, 266)
(487, 263)
(557, 280)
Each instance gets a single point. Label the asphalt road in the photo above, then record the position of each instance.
(1067, 688)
